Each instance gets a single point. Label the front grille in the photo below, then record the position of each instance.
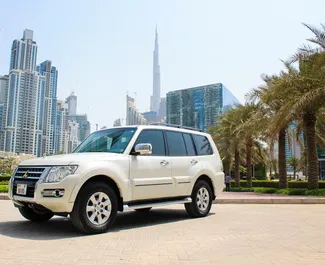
(32, 172)
(28, 176)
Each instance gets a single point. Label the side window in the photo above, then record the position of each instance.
(189, 144)
(176, 145)
(155, 138)
(202, 145)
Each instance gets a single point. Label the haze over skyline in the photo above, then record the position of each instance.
(102, 51)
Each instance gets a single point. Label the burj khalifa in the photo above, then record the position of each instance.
(155, 98)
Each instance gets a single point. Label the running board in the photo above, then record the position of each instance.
(155, 204)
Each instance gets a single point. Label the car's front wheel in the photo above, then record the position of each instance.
(201, 200)
(33, 215)
(95, 209)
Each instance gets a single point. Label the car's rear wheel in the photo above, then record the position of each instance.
(143, 210)
(34, 215)
(95, 209)
(201, 200)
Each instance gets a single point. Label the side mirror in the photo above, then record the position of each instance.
(143, 149)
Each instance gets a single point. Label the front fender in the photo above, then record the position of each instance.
(120, 175)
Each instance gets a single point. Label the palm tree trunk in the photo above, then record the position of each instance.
(249, 147)
(237, 168)
(283, 183)
(312, 157)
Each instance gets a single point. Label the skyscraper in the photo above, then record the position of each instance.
(198, 107)
(61, 127)
(4, 80)
(51, 76)
(24, 53)
(72, 104)
(155, 98)
(24, 103)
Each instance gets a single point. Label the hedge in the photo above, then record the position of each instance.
(275, 184)
(3, 188)
(5, 177)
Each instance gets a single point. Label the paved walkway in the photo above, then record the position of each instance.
(255, 198)
(252, 198)
(231, 234)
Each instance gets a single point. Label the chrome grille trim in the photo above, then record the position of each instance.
(33, 172)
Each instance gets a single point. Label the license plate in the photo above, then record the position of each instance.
(21, 189)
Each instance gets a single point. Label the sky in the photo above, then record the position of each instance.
(104, 48)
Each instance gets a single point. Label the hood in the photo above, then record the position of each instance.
(67, 159)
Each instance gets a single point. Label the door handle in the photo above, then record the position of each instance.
(164, 162)
(193, 162)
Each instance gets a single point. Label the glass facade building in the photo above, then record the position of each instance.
(198, 107)
(83, 125)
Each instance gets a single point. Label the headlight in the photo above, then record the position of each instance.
(56, 174)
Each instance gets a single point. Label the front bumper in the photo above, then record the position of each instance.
(53, 196)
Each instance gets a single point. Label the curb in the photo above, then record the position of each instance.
(313, 200)
(271, 201)
(4, 196)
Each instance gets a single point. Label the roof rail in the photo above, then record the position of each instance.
(176, 126)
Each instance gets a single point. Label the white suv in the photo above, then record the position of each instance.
(119, 169)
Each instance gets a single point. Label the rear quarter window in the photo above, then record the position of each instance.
(202, 145)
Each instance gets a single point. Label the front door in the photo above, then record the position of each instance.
(151, 176)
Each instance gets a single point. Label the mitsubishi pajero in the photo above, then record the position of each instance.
(120, 169)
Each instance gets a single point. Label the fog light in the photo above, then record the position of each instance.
(53, 193)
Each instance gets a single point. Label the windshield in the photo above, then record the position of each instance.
(111, 141)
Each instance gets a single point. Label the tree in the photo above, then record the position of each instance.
(248, 130)
(272, 99)
(306, 91)
(294, 162)
(227, 141)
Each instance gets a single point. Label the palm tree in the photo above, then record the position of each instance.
(294, 162)
(272, 99)
(306, 91)
(227, 141)
(248, 130)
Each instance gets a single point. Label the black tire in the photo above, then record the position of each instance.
(144, 210)
(192, 208)
(34, 216)
(79, 216)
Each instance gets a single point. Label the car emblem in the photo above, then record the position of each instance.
(25, 176)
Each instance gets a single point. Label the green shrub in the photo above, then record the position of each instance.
(3, 188)
(297, 191)
(265, 190)
(275, 184)
(5, 177)
(282, 191)
(319, 192)
(4, 182)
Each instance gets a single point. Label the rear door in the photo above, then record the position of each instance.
(184, 165)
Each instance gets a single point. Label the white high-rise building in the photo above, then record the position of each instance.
(61, 128)
(133, 115)
(24, 53)
(24, 101)
(50, 73)
(155, 98)
(72, 135)
(72, 104)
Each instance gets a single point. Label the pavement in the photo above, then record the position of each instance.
(252, 198)
(232, 234)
